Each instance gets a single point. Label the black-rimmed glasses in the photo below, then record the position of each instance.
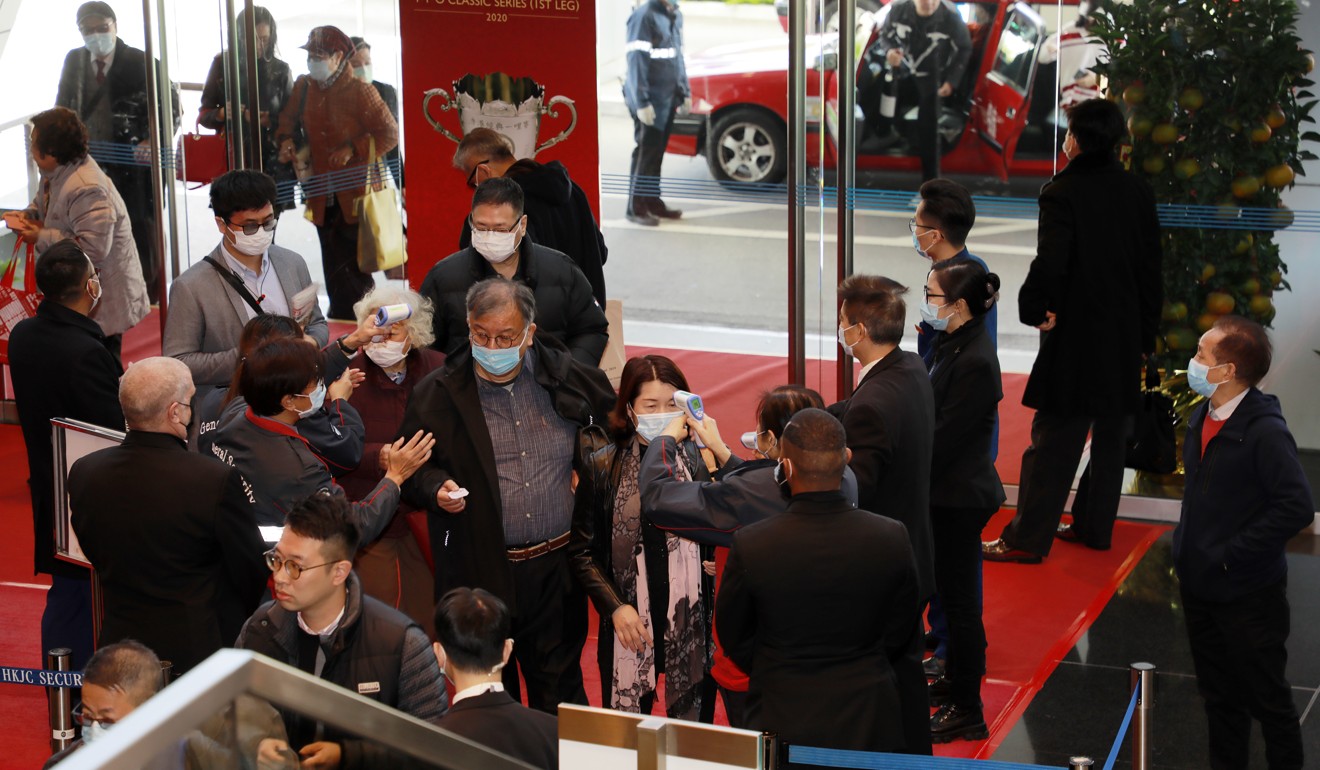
(913, 224)
(502, 341)
(251, 228)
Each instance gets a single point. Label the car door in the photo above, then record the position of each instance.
(1000, 108)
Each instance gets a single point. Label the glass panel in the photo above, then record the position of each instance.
(1017, 48)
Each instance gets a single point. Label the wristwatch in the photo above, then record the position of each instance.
(346, 350)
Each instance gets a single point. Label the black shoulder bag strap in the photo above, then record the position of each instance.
(238, 285)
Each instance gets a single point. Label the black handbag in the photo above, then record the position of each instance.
(1153, 446)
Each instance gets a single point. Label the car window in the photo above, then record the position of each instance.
(1022, 36)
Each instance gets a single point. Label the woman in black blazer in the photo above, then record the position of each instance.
(965, 489)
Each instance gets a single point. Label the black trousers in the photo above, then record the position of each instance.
(134, 186)
(1240, 652)
(957, 541)
(1048, 467)
(549, 631)
(644, 188)
(344, 283)
(921, 90)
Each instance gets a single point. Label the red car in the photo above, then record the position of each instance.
(1000, 121)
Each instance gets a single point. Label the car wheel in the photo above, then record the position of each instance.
(747, 145)
(832, 12)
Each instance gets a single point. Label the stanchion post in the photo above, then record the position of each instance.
(60, 701)
(1080, 763)
(1143, 682)
(166, 672)
(770, 751)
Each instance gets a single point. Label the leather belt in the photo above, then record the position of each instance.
(540, 549)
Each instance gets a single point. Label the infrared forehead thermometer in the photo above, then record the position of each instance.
(691, 405)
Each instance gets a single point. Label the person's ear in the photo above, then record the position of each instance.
(1230, 371)
(531, 334)
(439, 651)
(220, 225)
(508, 652)
(340, 571)
(847, 456)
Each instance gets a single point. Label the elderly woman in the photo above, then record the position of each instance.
(394, 569)
(281, 381)
(77, 200)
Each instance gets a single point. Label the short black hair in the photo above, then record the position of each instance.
(62, 271)
(472, 624)
(95, 8)
(1097, 125)
(778, 406)
(59, 133)
(494, 294)
(876, 303)
(499, 191)
(241, 190)
(259, 329)
(963, 279)
(486, 142)
(129, 666)
(816, 445)
(276, 369)
(329, 518)
(1246, 345)
(950, 205)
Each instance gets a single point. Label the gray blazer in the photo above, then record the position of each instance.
(79, 201)
(207, 316)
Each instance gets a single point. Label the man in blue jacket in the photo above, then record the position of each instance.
(1245, 497)
(654, 90)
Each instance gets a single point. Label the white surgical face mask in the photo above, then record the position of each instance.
(99, 43)
(843, 336)
(317, 399)
(363, 73)
(96, 298)
(931, 315)
(495, 246)
(388, 353)
(253, 245)
(93, 731)
(320, 70)
(650, 426)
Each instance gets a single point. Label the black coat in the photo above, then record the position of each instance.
(890, 423)
(1242, 502)
(967, 386)
(1097, 267)
(494, 719)
(469, 546)
(819, 606)
(565, 308)
(125, 86)
(173, 538)
(60, 368)
(558, 217)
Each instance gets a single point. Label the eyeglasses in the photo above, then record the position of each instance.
(476, 229)
(251, 228)
(308, 396)
(275, 562)
(503, 342)
(102, 28)
(83, 719)
(472, 175)
(926, 291)
(913, 224)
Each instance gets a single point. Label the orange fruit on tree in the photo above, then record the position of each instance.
(1205, 321)
(1164, 133)
(1261, 307)
(1191, 99)
(1275, 278)
(1153, 164)
(1280, 176)
(1261, 133)
(1139, 126)
(1244, 244)
(1186, 168)
(1134, 94)
(1275, 117)
(1245, 187)
(1219, 302)
(1207, 272)
(1250, 287)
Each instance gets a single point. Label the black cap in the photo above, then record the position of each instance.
(96, 8)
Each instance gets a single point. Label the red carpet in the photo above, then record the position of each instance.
(1033, 614)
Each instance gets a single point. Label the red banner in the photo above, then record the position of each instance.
(526, 68)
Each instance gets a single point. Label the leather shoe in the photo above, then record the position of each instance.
(1067, 534)
(934, 667)
(998, 550)
(659, 209)
(939, 690)
(646, 220)
(952, 722)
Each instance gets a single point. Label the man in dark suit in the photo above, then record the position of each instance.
(1094, 290)
(473, 628)
(61, 368)
(105, 82)
(171, 534)
(820, 607)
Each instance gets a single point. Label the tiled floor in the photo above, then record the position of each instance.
(1080, 708)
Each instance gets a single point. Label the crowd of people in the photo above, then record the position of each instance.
(454, 479)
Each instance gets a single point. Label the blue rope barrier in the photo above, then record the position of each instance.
(1122, 730)
(867, 760)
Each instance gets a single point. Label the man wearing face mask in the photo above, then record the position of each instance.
(80, 382)
(171, 533)
(1094, 290)
(1245, 497)
(565, 307)
(244, 275)
(341, 117)
(940, 226)
(118, 679)
(105, 83)
(508, 410)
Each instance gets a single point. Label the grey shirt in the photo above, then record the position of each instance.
(533, 456)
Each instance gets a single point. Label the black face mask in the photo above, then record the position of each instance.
(784, 489)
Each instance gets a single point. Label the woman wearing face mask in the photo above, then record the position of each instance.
(653, 596)
(340, 116)
(965, 488)
(742, 492)
(281, 381)
(77, 200)
(274, 87)
(334, 431)
(395, 568)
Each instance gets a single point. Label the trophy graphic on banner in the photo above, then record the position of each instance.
(511, 106)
